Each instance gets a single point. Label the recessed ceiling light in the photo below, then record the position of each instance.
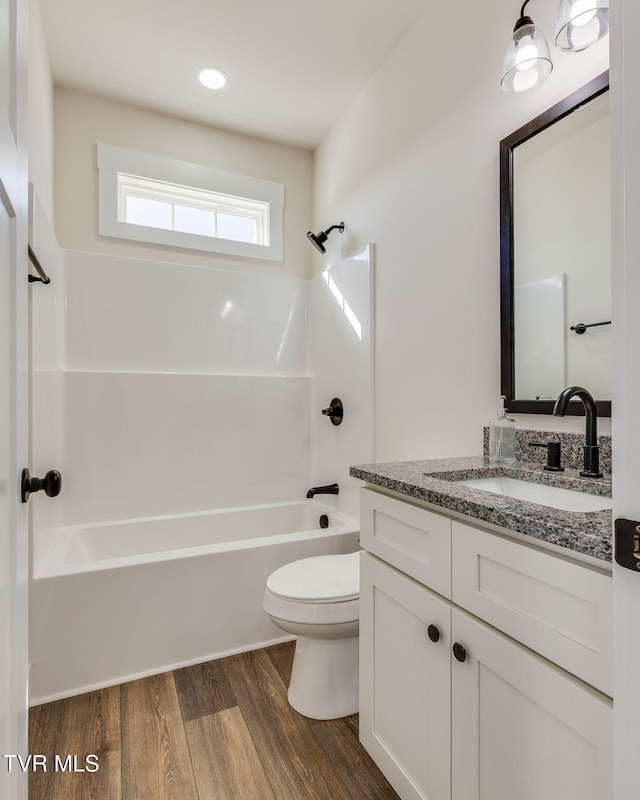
(212, 78)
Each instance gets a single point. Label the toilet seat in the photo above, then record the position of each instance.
(320, 579)
(321, 590)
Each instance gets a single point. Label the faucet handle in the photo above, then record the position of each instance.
(554, 461)
(335, 411)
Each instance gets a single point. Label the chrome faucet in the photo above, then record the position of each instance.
(332, 488)
(591, 449)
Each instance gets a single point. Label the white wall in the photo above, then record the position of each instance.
(40, 129)
(82, 120)
(412, 165)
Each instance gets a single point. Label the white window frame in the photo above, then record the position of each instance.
(114, 160)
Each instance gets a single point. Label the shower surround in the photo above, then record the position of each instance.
(163, 390)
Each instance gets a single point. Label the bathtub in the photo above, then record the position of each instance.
(116, 601)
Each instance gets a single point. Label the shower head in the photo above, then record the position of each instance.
(318, 239)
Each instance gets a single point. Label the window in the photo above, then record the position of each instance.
(156, 204)
(163, 201)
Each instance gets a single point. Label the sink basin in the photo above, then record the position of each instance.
(553, 496)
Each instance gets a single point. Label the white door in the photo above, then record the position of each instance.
(522, 729)
(13, 394)
(405, 712)
(625, 142)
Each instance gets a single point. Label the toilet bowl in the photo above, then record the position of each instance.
(317, 599)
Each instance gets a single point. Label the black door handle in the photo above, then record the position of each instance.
(51, 484)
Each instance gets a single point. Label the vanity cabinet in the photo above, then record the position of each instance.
(452, 708)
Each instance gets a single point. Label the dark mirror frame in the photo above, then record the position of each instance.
(562, 109)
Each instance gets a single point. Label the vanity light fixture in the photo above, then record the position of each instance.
(212, 78)
(527, 62)
(580, 23)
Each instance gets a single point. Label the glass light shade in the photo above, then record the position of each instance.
(527, 62)
(580, 23)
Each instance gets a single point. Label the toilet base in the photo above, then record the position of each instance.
(324, 677)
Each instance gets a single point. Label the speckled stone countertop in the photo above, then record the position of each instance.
(433, 481)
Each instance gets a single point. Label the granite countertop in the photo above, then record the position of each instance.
(432, 481)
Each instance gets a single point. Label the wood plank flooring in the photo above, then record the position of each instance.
(216, 731)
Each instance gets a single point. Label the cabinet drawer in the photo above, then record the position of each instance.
(414, 540)
(559, 609)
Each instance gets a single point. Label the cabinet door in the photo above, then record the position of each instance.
(405, 682)
(521, 727)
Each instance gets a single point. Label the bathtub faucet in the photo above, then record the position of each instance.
(332, 488)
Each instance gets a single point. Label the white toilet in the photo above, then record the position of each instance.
(318, 600)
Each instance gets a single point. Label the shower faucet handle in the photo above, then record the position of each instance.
(51, 484)
(335, 412)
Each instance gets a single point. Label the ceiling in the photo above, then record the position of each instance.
(293, 65)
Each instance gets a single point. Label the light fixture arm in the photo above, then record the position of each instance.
(524, 18)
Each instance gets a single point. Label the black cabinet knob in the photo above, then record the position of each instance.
(459, 652)
(433, 633)
(51, 484)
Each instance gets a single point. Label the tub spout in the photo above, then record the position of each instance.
(332, 488)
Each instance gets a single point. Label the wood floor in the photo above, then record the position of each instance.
(216, 731)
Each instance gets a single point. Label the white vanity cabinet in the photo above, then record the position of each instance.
(489, 719)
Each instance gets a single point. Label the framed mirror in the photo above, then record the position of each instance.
(555, 263)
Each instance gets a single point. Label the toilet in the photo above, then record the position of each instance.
(317, 599)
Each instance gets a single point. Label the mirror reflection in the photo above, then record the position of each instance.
(559, 276)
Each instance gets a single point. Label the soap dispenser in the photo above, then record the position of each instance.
(502, 437)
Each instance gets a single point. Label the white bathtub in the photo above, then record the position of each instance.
(111, 602)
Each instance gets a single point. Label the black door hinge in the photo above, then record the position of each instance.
(627, 543)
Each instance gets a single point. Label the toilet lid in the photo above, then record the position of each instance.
(321, 579)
